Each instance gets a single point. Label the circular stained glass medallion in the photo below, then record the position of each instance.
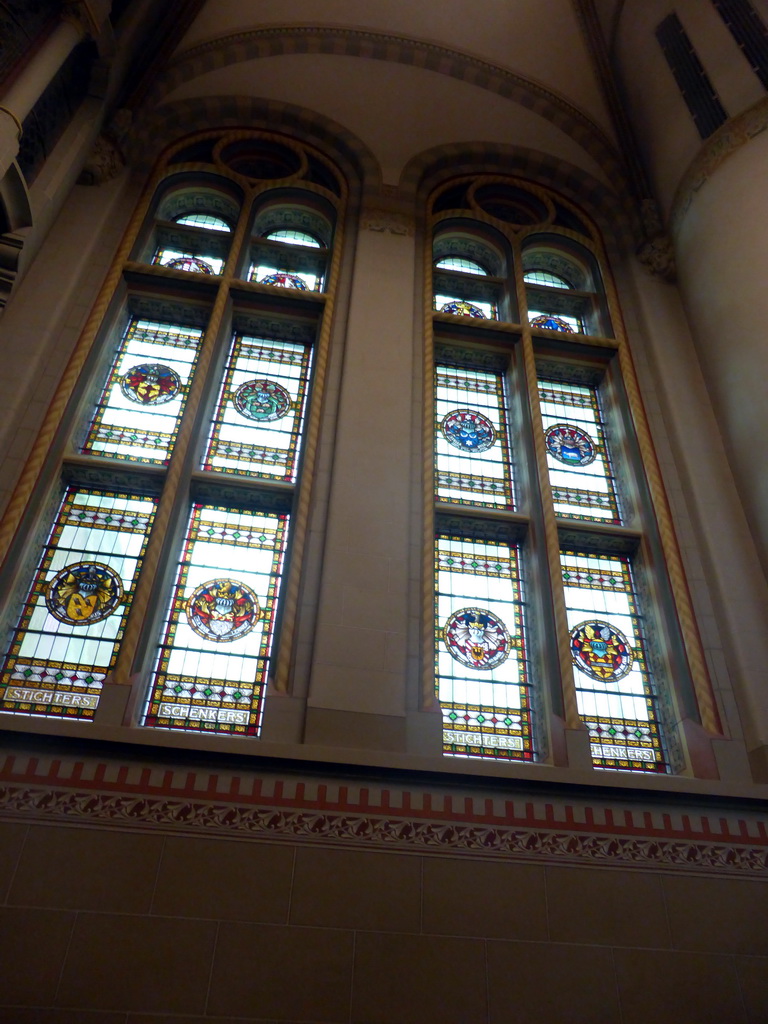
(461, 308)
(84, 593)
(570, 445)
(552, 323)
(262, 400)
(283, 280)
(193, 264)
(468, 430)
(150, 384)
(477, 638)
(223, 610)
(601, 650)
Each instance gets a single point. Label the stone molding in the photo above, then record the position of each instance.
(293, 39)
(418, 819)
(728, 138)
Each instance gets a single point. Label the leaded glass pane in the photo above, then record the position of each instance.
(299, 279)
(188, 261)
(203, 220)
(544, 277)
(480, 656)
(73, 618)
(260, 410)
(613, 687)
(294, 238)
(461, 264)
(561, 322)
(460, 307)
(472, 448)
(580, 472)
(217, 636)
(138, 415)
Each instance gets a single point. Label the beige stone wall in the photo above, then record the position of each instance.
(126, 927)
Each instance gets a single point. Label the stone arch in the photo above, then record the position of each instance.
(294, 39)
(613, 212)
(155, 127)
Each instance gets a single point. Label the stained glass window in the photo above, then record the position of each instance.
(480, 656)
(472, 448)
(138, 414)
(213, 658)
(73, 618)
(260, 409)
(461, 264)
(563, 323)
(615, 694)
(546, 278)
(301, 280)
(580, 471)
(203, 220)
(459, 307)
(188, 261)
(294, 238)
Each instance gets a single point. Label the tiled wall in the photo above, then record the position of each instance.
(116, 927)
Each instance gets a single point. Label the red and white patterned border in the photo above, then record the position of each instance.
(419, 819)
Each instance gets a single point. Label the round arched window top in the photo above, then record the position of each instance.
(202, 220)
(199, 207)
(462, 265)
(556, 259)
(548, 279)
(292, 215)
(469, 243)
(292, 237)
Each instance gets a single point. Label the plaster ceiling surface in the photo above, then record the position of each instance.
(396, 110)
(538, 39)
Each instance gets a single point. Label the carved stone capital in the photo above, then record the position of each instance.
(658, 256)
(107, 159)
(656, 251)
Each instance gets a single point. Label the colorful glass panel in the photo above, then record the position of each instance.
(218, 631)
(203, 220)
(294, 238)
(300, 280)
(139, 411)
(544, 277)
(260, 410)
(191, 262)
(480, 655)
(459, 307)
(73, 618)
(606, 635)
(472, 449)
(464, 266)
(580, 471)
(565, 324)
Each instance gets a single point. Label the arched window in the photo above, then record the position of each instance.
(175, 485)
(549, 584)
(466, 272)
(191, 226)
(291, 237)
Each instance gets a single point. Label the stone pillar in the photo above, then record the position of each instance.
(357, 684)
(26, 89)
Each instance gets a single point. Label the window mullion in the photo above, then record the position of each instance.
(179, 466)
(552, 543)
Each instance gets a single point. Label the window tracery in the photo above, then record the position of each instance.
(205, 499)
(553, 416)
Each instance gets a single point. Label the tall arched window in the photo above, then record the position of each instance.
(552, 599)
(174, 482)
